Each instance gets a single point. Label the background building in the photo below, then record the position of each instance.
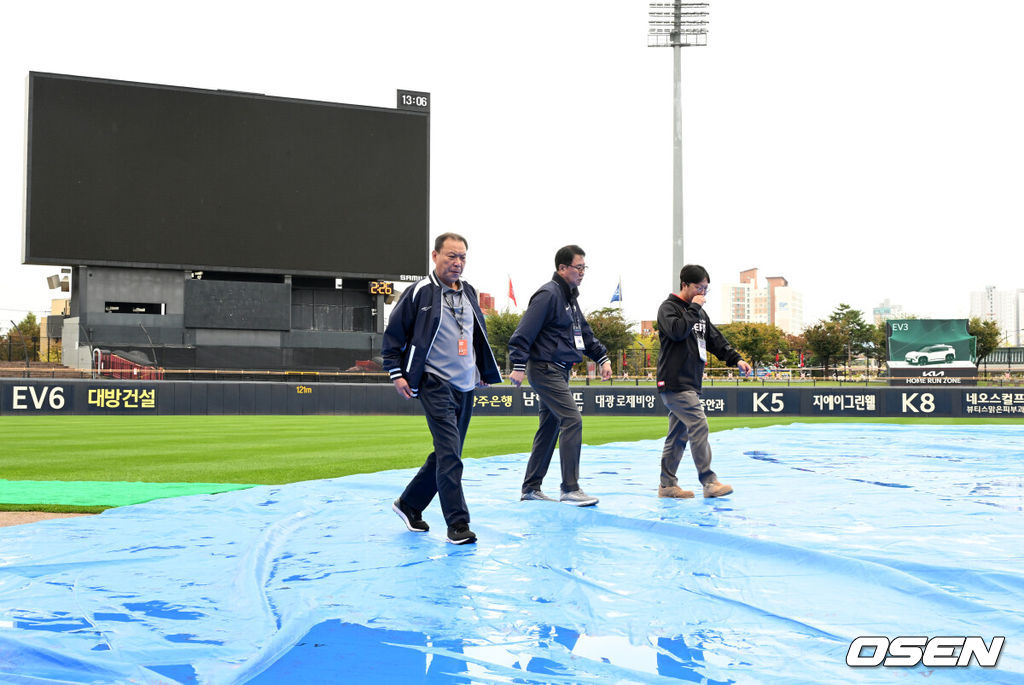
(51, 331)
(1004, 307)
(775, 303)
(886, 310)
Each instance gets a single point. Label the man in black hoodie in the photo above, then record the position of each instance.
(686, 336)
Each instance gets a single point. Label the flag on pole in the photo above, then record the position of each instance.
(511, 292)
(617, 295)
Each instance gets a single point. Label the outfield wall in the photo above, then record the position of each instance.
(91, 397)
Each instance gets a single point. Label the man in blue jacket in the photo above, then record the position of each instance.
(435, 349)
(552, 336)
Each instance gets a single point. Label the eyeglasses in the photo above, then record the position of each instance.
(700, 288)
(579, 267)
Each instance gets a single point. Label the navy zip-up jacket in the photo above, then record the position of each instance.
(413, 324)
(545, 333)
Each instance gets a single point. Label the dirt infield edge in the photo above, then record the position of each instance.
(14, 518)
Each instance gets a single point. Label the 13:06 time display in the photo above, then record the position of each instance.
(414, 100)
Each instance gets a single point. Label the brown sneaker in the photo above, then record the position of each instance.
(715, 489)
(674, 491)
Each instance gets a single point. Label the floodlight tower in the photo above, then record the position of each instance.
(677, 25)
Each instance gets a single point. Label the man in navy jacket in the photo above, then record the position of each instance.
(552, 336)
(435, 349)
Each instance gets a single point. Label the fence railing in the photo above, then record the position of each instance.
(375, 377)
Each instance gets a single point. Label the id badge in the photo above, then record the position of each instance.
(702, 349)
(463, 347)
(577, 334)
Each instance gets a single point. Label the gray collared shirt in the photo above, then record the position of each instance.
(443, 359)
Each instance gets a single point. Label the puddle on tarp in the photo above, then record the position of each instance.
(834, 531)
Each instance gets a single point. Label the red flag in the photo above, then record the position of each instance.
(801, 358)
(512, 293)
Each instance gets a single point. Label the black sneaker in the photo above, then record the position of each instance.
(413, 521)
(460, 534)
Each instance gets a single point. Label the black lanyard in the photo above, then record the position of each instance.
(574, 314)
(449, 299)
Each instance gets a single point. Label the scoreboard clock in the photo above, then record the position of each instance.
(382, 288)
(414, 100)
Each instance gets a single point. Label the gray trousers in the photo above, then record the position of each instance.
(686, 423)
(560, 422)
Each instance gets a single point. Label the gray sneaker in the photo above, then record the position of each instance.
(578, 498)
(535, 495)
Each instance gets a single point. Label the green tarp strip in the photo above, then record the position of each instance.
(101, 493)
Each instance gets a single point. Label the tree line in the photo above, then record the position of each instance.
(21, 340)
(843, 336)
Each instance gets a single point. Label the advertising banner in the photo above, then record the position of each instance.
(94, 396)
(930, 352)
(34, 397)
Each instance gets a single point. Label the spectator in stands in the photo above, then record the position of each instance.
(435, 349)
(552, 336)
(686, 336)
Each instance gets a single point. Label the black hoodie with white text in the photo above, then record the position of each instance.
(686, 336)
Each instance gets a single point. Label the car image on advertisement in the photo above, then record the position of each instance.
(932, 354)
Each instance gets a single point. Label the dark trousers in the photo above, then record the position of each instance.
(448, 412)
(560, 422)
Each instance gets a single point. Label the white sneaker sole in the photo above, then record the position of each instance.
(405, 520)
(581, 503)
(461, 542)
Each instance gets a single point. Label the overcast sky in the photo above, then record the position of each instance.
(862, 150)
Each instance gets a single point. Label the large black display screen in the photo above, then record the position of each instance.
(144, 175)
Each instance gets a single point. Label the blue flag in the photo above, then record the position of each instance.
(617, 295)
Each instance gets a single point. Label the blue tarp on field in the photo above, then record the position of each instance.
(834, 532)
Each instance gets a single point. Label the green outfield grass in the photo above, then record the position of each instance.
(283, 449)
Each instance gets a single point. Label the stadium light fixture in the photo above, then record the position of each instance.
(677, 25)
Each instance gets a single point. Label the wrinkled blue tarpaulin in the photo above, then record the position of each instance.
(834, 532)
